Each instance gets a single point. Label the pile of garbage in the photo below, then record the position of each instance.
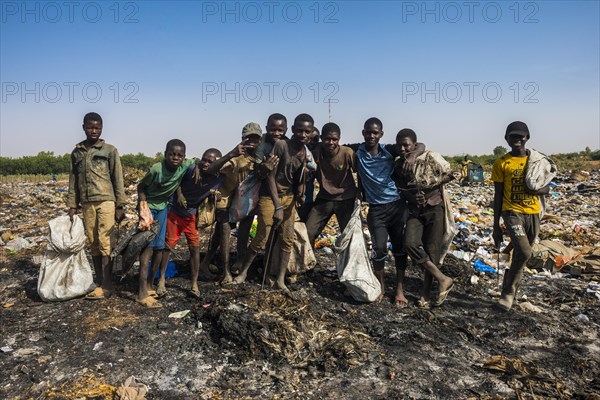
(569, 232)
(293, 330)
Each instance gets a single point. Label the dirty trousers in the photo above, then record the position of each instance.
(523, 229)
(266, 209)
(387, 220)
(322, 211)
(424, 234)
(99, 218)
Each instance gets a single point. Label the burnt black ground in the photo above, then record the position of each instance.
(216, 351)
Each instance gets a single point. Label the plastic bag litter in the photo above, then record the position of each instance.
(353, 264)
(131, 389)
(245, 199)
(65, 272)
(17, 244)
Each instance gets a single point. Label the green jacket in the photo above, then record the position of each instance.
(96, 175)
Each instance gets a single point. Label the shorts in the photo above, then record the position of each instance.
(176, 225)
(158, 243)
(99, 218)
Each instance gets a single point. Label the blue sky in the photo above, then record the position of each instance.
(455, 72)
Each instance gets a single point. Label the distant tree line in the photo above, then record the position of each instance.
(46, 163)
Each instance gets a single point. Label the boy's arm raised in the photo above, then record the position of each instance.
(214, 168)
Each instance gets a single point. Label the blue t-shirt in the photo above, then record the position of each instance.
(375, 173)
(193, 193)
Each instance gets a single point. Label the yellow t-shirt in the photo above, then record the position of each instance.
(510, 171)
(233, 172)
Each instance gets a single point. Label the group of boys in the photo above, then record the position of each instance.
(402, 183)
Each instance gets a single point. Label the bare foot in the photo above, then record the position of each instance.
(400, 301)
(227, 279)
(150, 302)
(161, 290)
(237, 267)
(241, 278)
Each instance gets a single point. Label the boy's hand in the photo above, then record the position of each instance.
(215, 195)
(181, 199)
(300, 199)
(72, 212)
(408, 164)
(145, 216)
(119, 214)
(420, 198)
(269, 164)
(239, 149)
(543, 191)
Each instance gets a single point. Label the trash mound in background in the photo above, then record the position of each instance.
(277, 326)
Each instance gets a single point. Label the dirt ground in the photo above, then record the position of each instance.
(244, 342)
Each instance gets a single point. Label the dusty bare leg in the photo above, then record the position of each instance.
(379, 269)
(155, 266)
(242, 242)
(195, 264)
(400, 299)
(250, 256)
(426, 290)
(444, 281)
(205, 273)
(164, 262)
(225, 247)
(144, 258)
(284, 260)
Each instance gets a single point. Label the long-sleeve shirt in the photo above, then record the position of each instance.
(96, 175)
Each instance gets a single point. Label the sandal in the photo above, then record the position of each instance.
(400, 302)
(195, 293)
(98, 294)
(424, 304)
(150, 302)
(444, 295)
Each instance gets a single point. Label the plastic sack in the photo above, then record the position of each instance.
(206, 213)
(245, 199)
(353, 264)
(302, 258)
(65, 272)
(539, 171)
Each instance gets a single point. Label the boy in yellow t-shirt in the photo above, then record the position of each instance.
(518, 206)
